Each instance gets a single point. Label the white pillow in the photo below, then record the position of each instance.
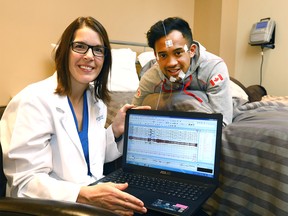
(123, 72)
(145, 57)
(237, 91)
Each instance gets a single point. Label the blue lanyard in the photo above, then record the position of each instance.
(83, 134)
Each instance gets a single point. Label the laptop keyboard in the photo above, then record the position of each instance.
(171, 188)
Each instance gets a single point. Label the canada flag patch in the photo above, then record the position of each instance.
(216, 79)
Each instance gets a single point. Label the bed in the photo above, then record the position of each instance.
(254, 161)
(254, 158)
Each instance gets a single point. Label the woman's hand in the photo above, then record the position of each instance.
(119, 120)
(112, 197)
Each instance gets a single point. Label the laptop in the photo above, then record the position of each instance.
(181, 150)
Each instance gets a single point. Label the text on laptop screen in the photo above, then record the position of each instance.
(176, 144)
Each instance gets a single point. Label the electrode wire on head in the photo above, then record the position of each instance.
(168, 42)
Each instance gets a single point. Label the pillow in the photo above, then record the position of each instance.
(145, 57)
(123, 72)
(237, 91)
(254, 92)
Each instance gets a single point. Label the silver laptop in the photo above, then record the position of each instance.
(171, 159)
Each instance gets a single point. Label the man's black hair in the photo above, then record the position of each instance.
(163, 28)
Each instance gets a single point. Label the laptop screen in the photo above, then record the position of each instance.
(179, 143)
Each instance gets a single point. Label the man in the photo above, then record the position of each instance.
(185, 76)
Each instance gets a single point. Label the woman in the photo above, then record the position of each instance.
(52, 133)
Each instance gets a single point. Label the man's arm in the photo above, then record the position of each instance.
(147, 85)
(218, 92)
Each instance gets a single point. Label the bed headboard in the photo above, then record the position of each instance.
(127, 43)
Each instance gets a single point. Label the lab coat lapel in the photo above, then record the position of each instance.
(67, 120)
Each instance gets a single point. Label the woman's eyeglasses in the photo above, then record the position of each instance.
(82, 48)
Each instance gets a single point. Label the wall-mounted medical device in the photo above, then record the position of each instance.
(263, 33)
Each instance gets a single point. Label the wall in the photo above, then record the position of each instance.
(223, 26)
(215, 26)
(228, 33)
(29, 27)
(207, 24)
(248, 58)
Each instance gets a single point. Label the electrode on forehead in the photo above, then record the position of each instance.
(168, 43)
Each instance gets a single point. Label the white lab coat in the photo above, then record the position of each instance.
(43, 156)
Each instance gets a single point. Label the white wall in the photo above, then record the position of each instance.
(215, 27)
(248, 58)
(28, 27)
(235, 19)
